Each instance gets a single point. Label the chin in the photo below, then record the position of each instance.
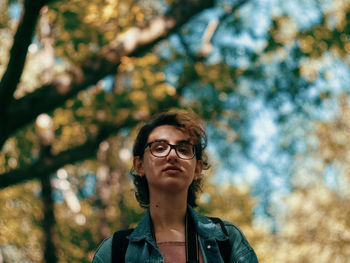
(173, 185)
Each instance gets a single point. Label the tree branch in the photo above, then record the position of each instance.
(209, 33)
(133, 42)
(48, 165)
(18, 53)
(229, 11)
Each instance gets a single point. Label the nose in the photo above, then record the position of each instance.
(172, 153)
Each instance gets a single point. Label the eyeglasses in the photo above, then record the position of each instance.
(161, 149)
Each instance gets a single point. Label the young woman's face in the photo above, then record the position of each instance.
(169, 173)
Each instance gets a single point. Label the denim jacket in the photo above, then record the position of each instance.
(143, 249)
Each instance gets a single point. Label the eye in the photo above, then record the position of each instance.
(185, 149)
(159, 147)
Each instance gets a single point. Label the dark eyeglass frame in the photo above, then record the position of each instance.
(172, 146)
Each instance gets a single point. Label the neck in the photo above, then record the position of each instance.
(168, 210)
(168, 217)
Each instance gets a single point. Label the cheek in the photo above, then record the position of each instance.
(150, 166)
(191, 167)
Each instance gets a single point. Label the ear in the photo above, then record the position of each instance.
(198, 170)
(138, 165)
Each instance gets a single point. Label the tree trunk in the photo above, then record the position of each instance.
(48, 221)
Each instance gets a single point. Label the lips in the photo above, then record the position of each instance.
(171, 168)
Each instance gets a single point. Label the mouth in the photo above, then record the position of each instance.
(171, 169)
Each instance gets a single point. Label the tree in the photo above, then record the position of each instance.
(58, 89)
(317, 227)
(16, 113)
(96, 69)
(315, 224)
(235, 204)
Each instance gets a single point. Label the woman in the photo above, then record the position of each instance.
(168, 161)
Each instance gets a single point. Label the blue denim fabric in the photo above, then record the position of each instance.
(142, 247)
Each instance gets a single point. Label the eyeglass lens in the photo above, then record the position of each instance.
(162, 149)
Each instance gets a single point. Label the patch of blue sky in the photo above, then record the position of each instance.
(212, 150)
(329, 107)
(327, 111)
(242, 41)
(232, 102)
(253, 86)
(299, 143)
(196, 28)
(332, 21)
(277, 196)
(327, 5)
(173, 71)
(269, 190)
(330, 176)
(270, 70)
(275, 7)
(108, 83)
(252, 173)
(287, 107)
(313, 91)
(188, 94)
(15, 10)
(175, 42)
(256, 104)
(305, 13)
(339, 77)
(216, 144)
(212, 14)
(278, 181)
(236, 177)
(335, 177)
(164, 51)
(236, 170)
(318, 86)
(215, 56)
(248, 174)
(219, 148)
(256, 17)
(89, 186)
(57, 196)
(239, 61)
(249, 36)
(265, 133)
(264, 130)
(194, 33)
(265, 151)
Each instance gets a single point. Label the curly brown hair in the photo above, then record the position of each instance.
(186, 121)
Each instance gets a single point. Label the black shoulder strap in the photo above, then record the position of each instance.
(224, 246)
(120, 245)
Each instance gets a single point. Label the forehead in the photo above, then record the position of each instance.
(168, 133)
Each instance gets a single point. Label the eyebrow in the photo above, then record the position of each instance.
(177, 142)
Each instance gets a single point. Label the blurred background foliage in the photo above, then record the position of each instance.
(270, 78)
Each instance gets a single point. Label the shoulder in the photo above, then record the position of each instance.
(234, 232)
(235, 244)
(104, 252)
(241, 249)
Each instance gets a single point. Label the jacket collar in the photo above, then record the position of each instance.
(206, 229)
(143, 229)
